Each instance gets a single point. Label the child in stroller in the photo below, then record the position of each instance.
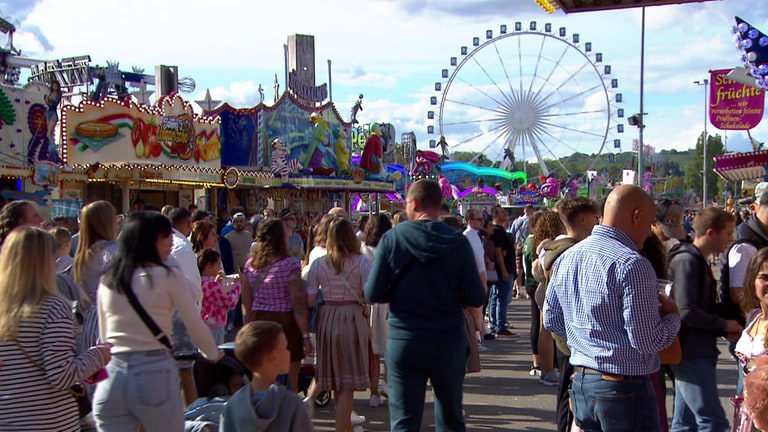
(216, 382)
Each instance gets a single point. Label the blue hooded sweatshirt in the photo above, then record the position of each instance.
(428, 298)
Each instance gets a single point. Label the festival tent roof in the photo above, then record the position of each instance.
(742, 166)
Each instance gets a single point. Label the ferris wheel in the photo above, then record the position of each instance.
(528, 93)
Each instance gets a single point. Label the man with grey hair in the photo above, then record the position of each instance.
(475, 221)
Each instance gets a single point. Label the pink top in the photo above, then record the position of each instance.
(322, 274)
(273, 294)
(216, 303)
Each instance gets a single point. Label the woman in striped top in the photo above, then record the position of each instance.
(37, 344)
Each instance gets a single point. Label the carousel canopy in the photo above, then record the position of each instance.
(572, 6)
(742, 166)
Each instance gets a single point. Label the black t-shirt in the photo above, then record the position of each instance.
(501, 239)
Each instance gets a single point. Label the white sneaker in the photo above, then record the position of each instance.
(356, 419)
(309, 404)
(374, 401)
(482, 348)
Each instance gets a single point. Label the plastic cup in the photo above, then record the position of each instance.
(664, 286)
(228, 282)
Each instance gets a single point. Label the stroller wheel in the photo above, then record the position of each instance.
(323, 399)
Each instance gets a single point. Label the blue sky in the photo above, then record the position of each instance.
(393, 51)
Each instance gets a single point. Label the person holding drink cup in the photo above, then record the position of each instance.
(694, 289)
(220, 293)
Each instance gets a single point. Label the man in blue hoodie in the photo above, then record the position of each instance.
(425, 270)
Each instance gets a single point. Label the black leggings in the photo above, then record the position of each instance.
(535, 319)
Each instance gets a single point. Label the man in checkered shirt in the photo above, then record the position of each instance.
(603, 298)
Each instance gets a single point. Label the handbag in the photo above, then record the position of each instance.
(672, 354)
(742, 420)
(77, 390)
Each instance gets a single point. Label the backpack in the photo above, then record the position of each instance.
(554, 249)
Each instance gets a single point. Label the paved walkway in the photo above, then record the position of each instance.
(504, 397)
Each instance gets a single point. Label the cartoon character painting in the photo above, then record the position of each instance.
(315, 158)
(445, 187)
(372, 152)
(52, 99)
(425, 163)
(281, 166)
(342, 152)
(550, 188)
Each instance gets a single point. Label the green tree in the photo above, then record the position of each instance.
(693, 176)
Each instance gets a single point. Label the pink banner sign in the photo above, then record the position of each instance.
(733, 105)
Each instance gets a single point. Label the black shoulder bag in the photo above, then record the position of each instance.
(148, 321)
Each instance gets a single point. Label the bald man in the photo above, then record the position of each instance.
(603, 299)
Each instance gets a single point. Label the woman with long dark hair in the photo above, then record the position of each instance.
(143, 384)
(272, 291)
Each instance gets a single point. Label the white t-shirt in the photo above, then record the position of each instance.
(477, 248)
(316, 253)
(738, 261)
(187, 261)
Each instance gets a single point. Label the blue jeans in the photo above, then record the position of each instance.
(441, 359)
(697, 406)
(614, 406)
(498, 304)
(142, 388)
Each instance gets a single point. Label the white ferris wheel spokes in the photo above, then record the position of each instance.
(528, 93)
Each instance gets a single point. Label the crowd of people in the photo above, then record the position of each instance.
(623, 303)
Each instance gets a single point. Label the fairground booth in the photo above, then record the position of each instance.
(161, 154)
(30, 164)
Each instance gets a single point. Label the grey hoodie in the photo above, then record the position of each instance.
(279, 411)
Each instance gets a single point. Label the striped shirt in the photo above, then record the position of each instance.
(603, 298)
(33, 400)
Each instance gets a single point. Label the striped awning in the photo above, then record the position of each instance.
(742, 166)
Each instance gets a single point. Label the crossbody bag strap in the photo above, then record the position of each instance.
(354, 293)
(148, 321)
